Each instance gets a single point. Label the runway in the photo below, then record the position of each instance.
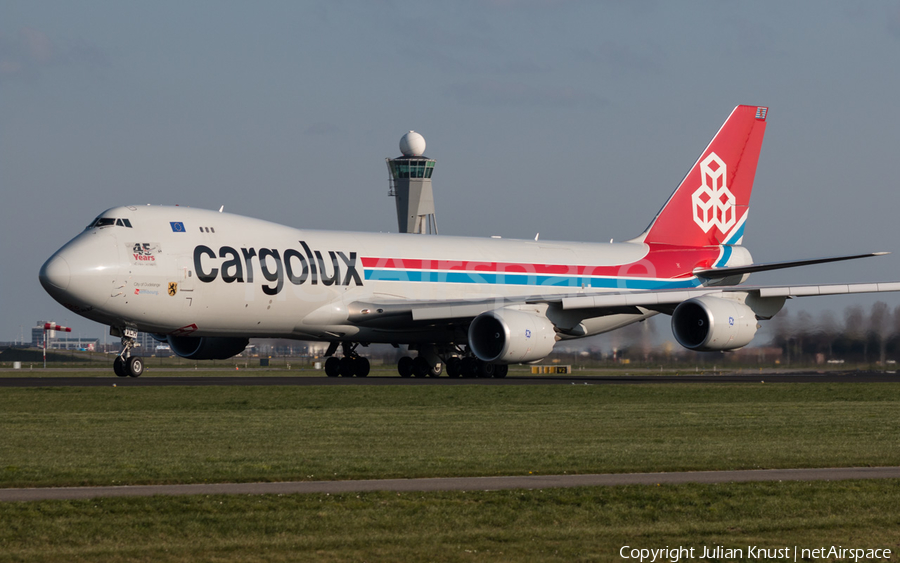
(454, 483)
(265, 380)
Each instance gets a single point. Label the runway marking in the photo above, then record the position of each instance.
(454, 483)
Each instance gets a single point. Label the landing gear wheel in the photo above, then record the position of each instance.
(135, 366)
(468, 367)
(405, 366)
(420, 366)
(345, 366)
(500, 370)
(436, 371)
(361, 367)
(122, 365)
(453, 367)
(332, 367)
(486, 369)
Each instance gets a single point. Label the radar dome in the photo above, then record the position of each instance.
(412, 144)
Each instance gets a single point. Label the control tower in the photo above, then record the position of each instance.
(410, 183)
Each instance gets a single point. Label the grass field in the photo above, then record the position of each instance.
(101, 436)
(561, 525)
(76, 436)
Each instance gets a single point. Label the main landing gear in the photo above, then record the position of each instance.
(419, 367)
(352, 364)
(126, 365)
(472, 367)
(430, 362)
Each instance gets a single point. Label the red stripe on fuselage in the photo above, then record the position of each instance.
(662, 261)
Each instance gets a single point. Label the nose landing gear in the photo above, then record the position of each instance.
(126, 365)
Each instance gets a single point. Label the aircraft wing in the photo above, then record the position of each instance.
(650, 299)
(389, 313)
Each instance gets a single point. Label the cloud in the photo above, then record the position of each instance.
(30, 51)
(37, 45)
(492, 93)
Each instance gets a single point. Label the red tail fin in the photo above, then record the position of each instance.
(710, 206)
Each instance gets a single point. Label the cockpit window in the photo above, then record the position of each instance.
(108, 222)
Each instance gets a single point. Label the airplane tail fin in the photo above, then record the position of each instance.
(710, 205)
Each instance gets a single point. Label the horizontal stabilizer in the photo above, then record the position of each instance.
(717, 273)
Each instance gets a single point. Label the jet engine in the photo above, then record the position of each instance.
(511, 336)
(206, 347)
(708, 324)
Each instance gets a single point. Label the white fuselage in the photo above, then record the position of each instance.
(183, 271)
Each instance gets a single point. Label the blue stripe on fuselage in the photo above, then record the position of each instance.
(524, 279)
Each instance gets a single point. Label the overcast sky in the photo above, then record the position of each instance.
(575, 119)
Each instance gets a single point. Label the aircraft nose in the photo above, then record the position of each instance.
(81, 273)
(55, 273)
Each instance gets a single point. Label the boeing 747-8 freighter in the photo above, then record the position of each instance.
(207, 281)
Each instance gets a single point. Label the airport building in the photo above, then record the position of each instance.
(145, 344)
(55, 342)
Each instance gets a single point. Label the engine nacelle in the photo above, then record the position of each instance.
(710, 323)
(510, 336)
(206, 347)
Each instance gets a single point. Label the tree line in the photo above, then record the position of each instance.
(858, 335)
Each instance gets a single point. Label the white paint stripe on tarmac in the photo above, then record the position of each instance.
(453, 483)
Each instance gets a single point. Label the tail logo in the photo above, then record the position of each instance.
(713, 203)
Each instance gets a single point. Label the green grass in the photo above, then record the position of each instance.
(561, 525)
(102, 436)
(74, 436)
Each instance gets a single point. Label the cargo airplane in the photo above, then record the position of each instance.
(207, 281)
